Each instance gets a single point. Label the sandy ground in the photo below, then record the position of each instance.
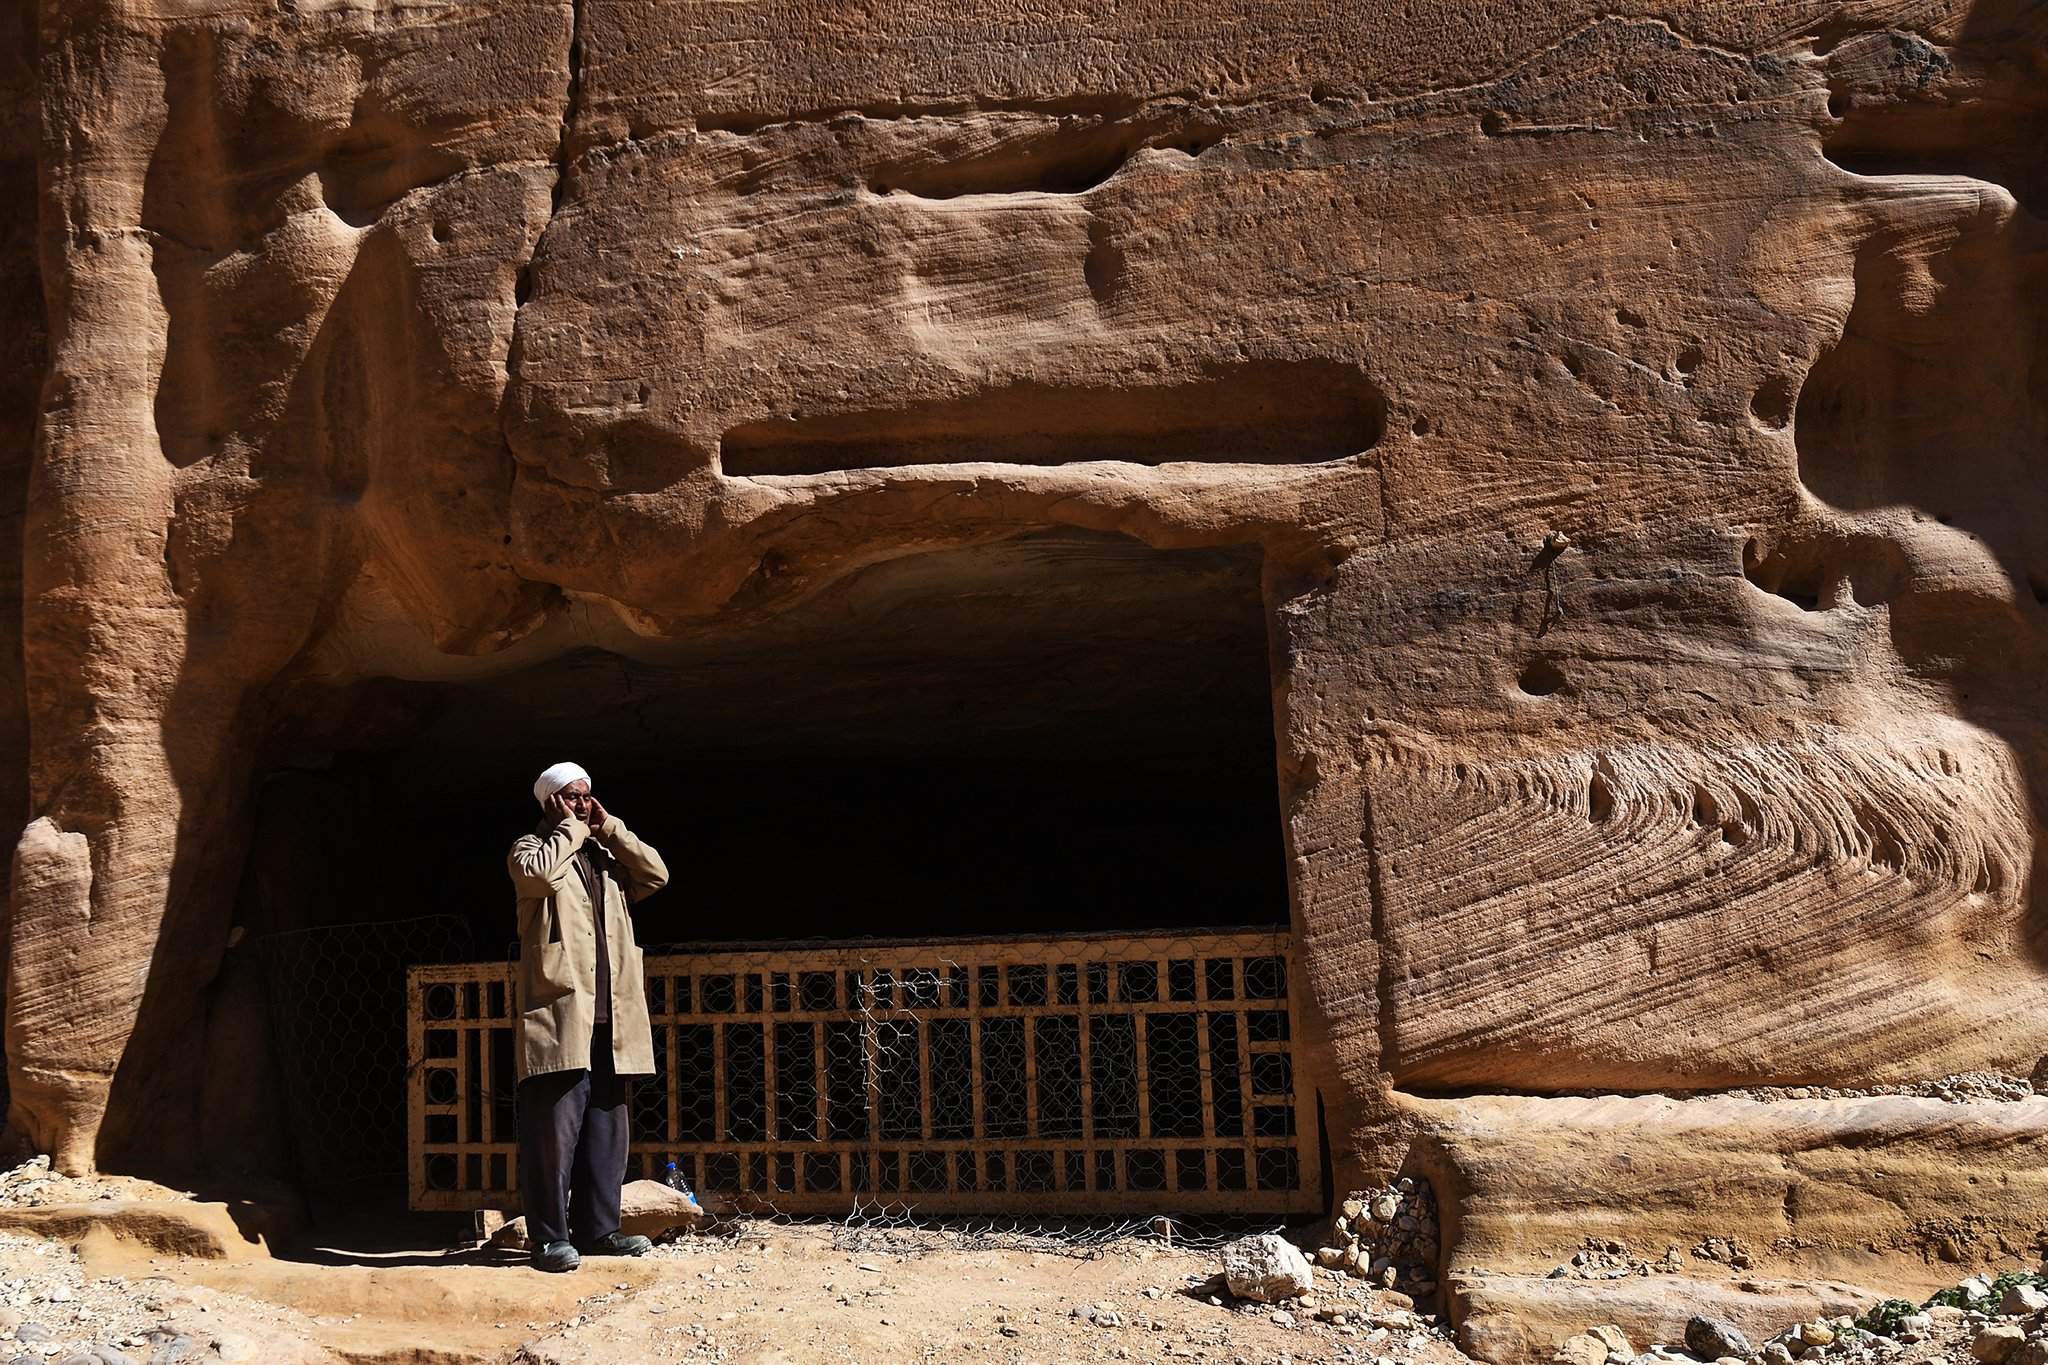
(761, 1292)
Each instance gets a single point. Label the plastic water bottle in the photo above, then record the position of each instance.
(673, 1178)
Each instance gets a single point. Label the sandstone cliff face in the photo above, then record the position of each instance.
(427, 342)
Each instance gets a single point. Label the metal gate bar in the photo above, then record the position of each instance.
(1071, 1075)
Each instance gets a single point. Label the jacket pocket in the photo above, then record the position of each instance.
(545, 974)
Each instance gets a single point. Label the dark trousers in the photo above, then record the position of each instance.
(572, 1149)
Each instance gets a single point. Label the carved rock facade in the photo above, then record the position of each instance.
(432, 343)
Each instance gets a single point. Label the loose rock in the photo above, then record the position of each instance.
(1711, 1339)
(1267, 1269)
(2023, 1299)
(1996, 1344)
(1615, 1340)
(1581, 1349)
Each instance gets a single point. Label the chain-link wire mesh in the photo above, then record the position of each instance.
(1131, 1078)
(900, 1229)
(337, 1003)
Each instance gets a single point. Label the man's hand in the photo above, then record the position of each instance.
(557, 809)
(597, 815)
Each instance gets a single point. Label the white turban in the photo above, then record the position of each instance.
(556, 778)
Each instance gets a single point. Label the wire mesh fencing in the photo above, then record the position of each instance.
(901, 1086)
(337, 1003)
(901, 1230)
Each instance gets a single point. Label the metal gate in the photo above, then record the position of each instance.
(1081, 1074)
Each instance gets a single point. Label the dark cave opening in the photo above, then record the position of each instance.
(1054, 734)
(1048, 734)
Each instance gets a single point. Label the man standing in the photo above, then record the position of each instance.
(582, 1017)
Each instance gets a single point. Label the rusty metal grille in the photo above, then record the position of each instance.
(1074, 1075)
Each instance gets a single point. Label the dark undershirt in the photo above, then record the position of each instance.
(592, 872)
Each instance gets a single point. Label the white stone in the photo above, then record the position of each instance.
(2021, 1300)
(1614, 1339)
(1267, 1269)
(1581, 1349)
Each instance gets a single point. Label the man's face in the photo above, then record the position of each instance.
(579, 800)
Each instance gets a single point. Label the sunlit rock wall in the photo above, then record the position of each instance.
(392, 340)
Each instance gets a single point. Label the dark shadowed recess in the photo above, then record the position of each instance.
(1932, 399)
(23, 356)
(1269, 412)
(1070, 157)
(1054, 733)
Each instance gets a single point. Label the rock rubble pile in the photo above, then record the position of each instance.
(1267, 1274)
(1387, 1237)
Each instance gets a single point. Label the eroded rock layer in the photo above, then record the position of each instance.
(1638, 412)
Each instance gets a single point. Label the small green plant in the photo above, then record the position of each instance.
(1885, 1319)
(2016, 1277)
(1956, 1298)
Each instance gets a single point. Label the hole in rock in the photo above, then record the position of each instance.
(1599, 795)
(1103, 267)
(1771, 405)
(1542, 677)
(1069, 159)
(1797, 572)
(1257, 412)
(376, 163)
(1054, 734)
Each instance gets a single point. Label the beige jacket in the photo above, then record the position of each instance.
(556, 982)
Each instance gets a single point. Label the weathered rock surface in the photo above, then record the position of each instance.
(432, 343)
(1266, 1269)
(1995, 1344)
(173, 1227)
(1534, 1177)
(1713, 1338)
(1507, 1318)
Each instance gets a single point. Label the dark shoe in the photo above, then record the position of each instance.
(555, 1257)
(617, 1244)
